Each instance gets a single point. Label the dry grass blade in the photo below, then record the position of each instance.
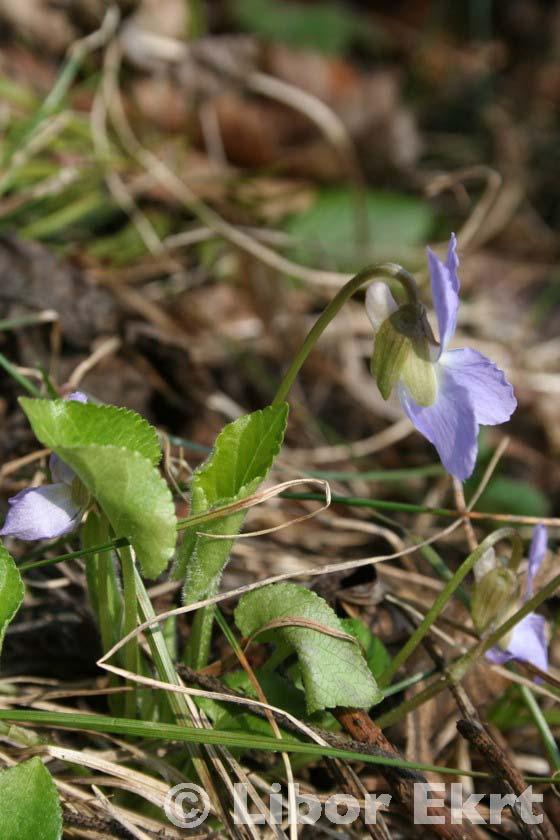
(178, 188)
(471, 230)
(106, 348)
(307, 623)
(368, 446)
(119, 817)
(263, 496)
(321, 570)
(143, 785)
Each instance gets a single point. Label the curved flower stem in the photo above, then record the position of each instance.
(446, 593)
(391, 270)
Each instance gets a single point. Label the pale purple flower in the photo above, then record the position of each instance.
(527, 641)
(41, 513)
(470, 389)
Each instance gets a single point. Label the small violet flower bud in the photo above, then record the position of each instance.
(492, 596)
(528, 640)
(402, 352)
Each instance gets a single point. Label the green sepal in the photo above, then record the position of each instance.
(402, 351)
(390, 353)
(419, 375)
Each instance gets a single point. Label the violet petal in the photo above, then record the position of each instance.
(490, 393)
(537, 552)
(40, 513)
(527, 644)
(60, 471)
(449, 424)
(445, 291)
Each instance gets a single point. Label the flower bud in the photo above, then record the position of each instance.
(492, 596)
(402, 351)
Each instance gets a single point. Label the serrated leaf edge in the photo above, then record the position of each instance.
(139, 421)
(221, 441)
(317, 599)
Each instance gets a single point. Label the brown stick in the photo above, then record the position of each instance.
(509, 776)
(361, 728)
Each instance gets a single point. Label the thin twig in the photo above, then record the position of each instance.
(360, 726)
(509, 776)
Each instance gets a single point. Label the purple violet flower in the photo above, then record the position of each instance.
(527, 642)
(41, 513)
(469, 389)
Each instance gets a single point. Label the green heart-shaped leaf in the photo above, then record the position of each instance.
(114, 452)
(71, 423)
(333, 669)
